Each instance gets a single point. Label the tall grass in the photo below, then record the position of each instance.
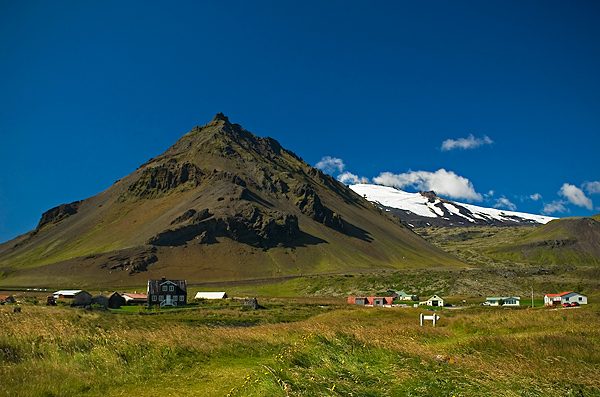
(58, 351)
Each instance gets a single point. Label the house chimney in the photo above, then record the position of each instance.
(163, 279)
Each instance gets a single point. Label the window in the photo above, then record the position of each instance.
(154, 298)
(171, 288)
(182, 298)
(164, 287)
(161, 298)
(580, 299)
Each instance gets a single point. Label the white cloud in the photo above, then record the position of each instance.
(592, 187)
(503, 202)
(330, 164)
(445, 183)
(349, 178)
(555, 206)
(576, 196)
(466, 143)
(535, 197)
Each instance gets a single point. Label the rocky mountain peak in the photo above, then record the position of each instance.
(221, 116)
(430, 195)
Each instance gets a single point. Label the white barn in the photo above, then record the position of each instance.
(211, 295)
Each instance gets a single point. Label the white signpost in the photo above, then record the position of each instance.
(434, 317)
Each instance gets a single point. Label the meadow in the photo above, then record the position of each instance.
(299, 347)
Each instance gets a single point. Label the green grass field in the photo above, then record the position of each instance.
(299, 347)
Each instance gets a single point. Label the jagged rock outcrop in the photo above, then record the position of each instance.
(59, 213)
(165, 177)
(249, 226)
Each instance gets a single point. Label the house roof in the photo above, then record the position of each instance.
(154, 285)
(402, 293)
(210, 295)
(435, 297)
(561, 294)
(4, 296)
(68, 292)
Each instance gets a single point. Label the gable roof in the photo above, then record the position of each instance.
(435, 297)
(68, 292)
(154, 285)
(561, 294)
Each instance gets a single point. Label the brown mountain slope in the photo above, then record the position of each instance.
(565, 241)
(220, 204)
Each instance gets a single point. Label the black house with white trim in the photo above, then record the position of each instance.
(165, 292)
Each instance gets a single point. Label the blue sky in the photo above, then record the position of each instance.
(496, 103)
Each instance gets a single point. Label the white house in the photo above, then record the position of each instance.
(435, 300)
(511, 301)
(504, 301)
(564, 297)
(211, 295)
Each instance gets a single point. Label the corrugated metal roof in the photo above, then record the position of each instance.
(68, 292)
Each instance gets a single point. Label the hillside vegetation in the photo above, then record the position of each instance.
(220, 204)
(344, 350)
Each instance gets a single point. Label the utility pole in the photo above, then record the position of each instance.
(532, 296)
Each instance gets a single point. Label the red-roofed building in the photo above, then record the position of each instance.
(6, 298)
(133, 298)
(372, 301)
(564, 297)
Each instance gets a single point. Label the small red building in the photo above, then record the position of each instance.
(371, 301)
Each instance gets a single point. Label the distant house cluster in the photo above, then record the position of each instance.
(564, 299)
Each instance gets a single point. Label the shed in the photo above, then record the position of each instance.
(7, 299)
(101, 300)
(115, 300)
(435, 300)
(210, 295)
(79, 297)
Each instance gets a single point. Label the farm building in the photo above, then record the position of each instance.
(6, 299)
(78, 296)
(210, 295)
(403, 296)
(435, 300)
(504, 301)
(133, 298)
(165, 292)
(372, 301)
(565, 297)
(112, 301)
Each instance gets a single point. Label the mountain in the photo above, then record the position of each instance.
(427, 209)
(565, 241)
(220, 204)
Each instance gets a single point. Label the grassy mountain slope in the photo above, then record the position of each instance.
(220, 204)
(566, 241)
